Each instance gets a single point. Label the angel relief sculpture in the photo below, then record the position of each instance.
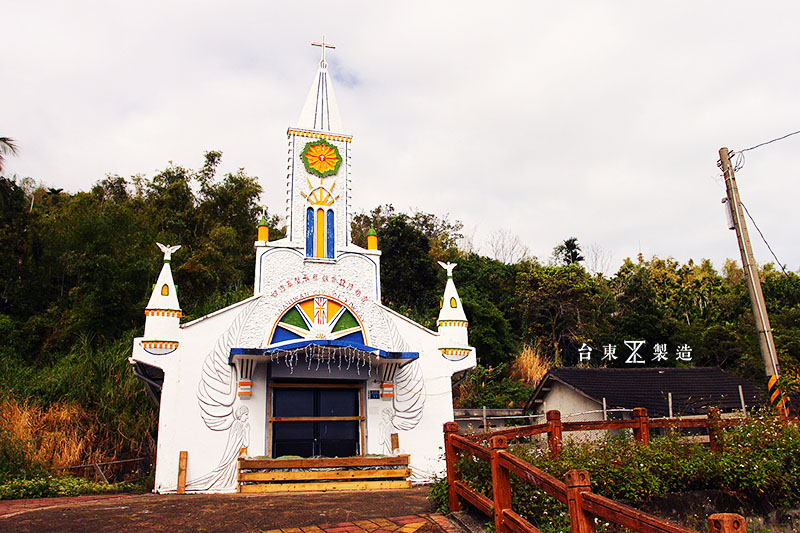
(216, 393)
(225, 473)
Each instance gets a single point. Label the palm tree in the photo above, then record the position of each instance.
(7, 146)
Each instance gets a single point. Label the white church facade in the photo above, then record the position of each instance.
(312, 365)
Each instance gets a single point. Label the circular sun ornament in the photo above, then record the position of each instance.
(321, 158)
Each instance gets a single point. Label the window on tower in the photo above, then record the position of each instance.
(320, 232)
(310, 232)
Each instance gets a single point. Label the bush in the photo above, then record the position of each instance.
(51, 486)
(14, 457)
(757, 461)
(438, 495)
(760, 459)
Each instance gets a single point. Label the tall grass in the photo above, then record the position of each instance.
(54, 436)
(530, 365)
(86, 407)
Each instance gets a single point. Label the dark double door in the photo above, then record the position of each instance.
(311, 421)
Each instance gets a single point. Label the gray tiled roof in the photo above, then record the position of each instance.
(693, 389)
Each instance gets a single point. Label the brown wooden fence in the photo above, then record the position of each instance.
(575, 491)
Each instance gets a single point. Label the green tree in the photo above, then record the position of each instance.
(409, 276)
(568, 252)
(442, 234)
(563, 305)
(7, 147)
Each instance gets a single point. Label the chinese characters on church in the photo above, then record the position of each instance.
(636, 354)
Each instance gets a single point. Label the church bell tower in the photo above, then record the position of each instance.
(318, 179)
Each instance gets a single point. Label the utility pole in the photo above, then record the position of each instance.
(765, 339)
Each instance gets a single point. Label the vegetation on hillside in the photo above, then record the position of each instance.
(77, 269)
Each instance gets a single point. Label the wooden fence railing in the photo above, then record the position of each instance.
(640, 424)
(143, 462)
(575, 492)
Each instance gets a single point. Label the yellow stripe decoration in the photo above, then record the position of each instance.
(316, 135)
(160, 344)
(162, 312)
(455, 351)
(462, 323)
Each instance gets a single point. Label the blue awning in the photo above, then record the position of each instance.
(398, 357)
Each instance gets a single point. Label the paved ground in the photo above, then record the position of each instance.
(403, 511)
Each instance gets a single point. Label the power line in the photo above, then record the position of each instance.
(763, 238)
(768, 142)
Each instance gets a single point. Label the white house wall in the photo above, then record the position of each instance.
(567, 400)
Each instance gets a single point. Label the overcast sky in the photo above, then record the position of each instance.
(599, 120)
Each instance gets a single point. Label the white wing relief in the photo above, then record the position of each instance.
(409, 395)
(216, 393)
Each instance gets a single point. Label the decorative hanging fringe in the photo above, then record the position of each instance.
(327, 355)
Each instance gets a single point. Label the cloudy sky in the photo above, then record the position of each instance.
(599, 120)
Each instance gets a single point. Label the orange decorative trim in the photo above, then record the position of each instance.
(245, 383)
(462, 323)
(387, 385)
(163, 312)
(455, 351)
(160, 344)
(245, 393)
(317, 135)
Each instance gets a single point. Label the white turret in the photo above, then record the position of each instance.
(163, 313)
(452, 321)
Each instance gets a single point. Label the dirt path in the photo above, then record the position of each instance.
(405, 510)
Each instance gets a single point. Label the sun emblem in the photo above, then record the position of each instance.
(321, 158)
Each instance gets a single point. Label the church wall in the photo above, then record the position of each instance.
(282, 269)
(181, 424)
(257, 404)
(425, 440)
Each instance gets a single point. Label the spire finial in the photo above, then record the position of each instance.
(323, 45)
(168, 251)
(448, 267)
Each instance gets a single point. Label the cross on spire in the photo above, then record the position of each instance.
(323, 45)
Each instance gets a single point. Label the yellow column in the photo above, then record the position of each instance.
(372, 239)
(320, 252)
(263, 229)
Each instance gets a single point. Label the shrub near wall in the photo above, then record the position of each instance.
(52, 486)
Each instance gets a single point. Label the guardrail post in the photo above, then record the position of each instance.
(713, 428)
(182, 460)
(501, 483)
(727, 523)
(451, 458)
(642, 430)
(554, 433)
(577, 483)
